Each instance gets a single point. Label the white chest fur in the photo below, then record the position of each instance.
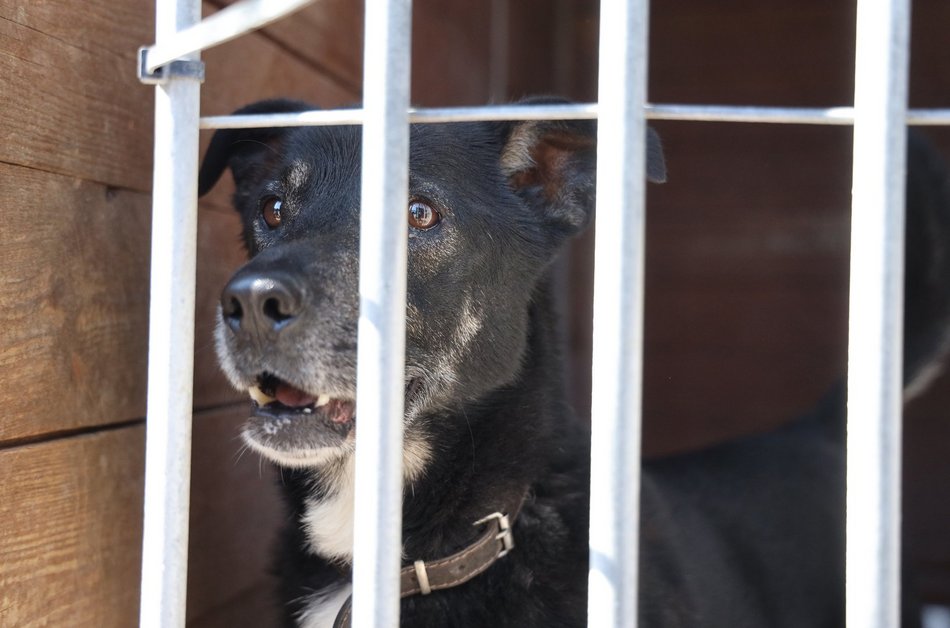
(322, 608)
(328, 520)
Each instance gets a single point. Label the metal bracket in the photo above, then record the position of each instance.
(181, 68)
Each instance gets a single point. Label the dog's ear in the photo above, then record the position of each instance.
(229, 147)
(552, 164)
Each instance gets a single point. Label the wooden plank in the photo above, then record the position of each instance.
(327, 35)
(253, 608)
(450, 62)
(451, 41)
(74, 302)
(254, 67)
(236, 511)
(220, 253)
(95, 122)
(95, 119)
(71, 534)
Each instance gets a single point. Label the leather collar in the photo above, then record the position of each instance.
(424, 577)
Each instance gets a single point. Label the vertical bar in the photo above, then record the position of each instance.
(171, 335)
(618, 315)
(381, 351)
(876, 312)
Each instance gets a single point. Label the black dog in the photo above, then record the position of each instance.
(746, 534)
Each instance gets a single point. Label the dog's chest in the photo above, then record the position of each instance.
(322, 609)
(328, 520)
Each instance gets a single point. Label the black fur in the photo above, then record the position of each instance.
(746, 534)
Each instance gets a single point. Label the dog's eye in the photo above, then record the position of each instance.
(422, 216)
(270, 210)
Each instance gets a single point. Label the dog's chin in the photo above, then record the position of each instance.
(297, 440)
(293, 455)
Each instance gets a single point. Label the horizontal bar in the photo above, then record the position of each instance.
(783, 115)
(581, 111)
(427, 115)
(928, 117)
(226, 24)
(774, 115)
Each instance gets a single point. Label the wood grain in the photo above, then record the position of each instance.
(450, 45)
(327, 35)
(71, 534)
(74, 302)
(71, 101)
(236, 511)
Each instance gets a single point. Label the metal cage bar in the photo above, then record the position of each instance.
(879, 116)
(581, 111)
(875, 325)
(224, 25)
(381, 342)
(171, 335)
(618, 317)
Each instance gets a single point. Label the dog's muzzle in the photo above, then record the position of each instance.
(294, 417)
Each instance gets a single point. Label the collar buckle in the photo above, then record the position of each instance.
(504, 531)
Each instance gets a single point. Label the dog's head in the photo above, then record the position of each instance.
(489, 206)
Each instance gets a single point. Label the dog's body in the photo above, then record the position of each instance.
(746, 534)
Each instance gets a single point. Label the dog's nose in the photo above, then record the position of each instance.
(261, 304)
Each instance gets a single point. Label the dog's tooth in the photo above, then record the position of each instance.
(307, 410)
(258, 395)
(323, 400)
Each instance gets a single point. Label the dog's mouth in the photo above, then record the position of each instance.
(294, 427)
(297, 428)
(275, 398)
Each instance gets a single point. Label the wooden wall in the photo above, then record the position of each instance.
(746, 262)
(75, 182)
(75, 179)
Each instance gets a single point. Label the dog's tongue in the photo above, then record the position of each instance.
(292, 397)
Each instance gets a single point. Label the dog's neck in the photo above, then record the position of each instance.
(489, 450)
(327, 514)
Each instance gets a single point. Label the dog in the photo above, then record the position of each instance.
(748, 533)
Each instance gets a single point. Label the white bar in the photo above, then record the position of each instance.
(328, 117)
(582, 111)
(228, 23)
(618, 316)
(782, 115)
(415, 115)
(876, 312)
(928, 117)
(730, 113)
(171, 336)
(381, 342)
